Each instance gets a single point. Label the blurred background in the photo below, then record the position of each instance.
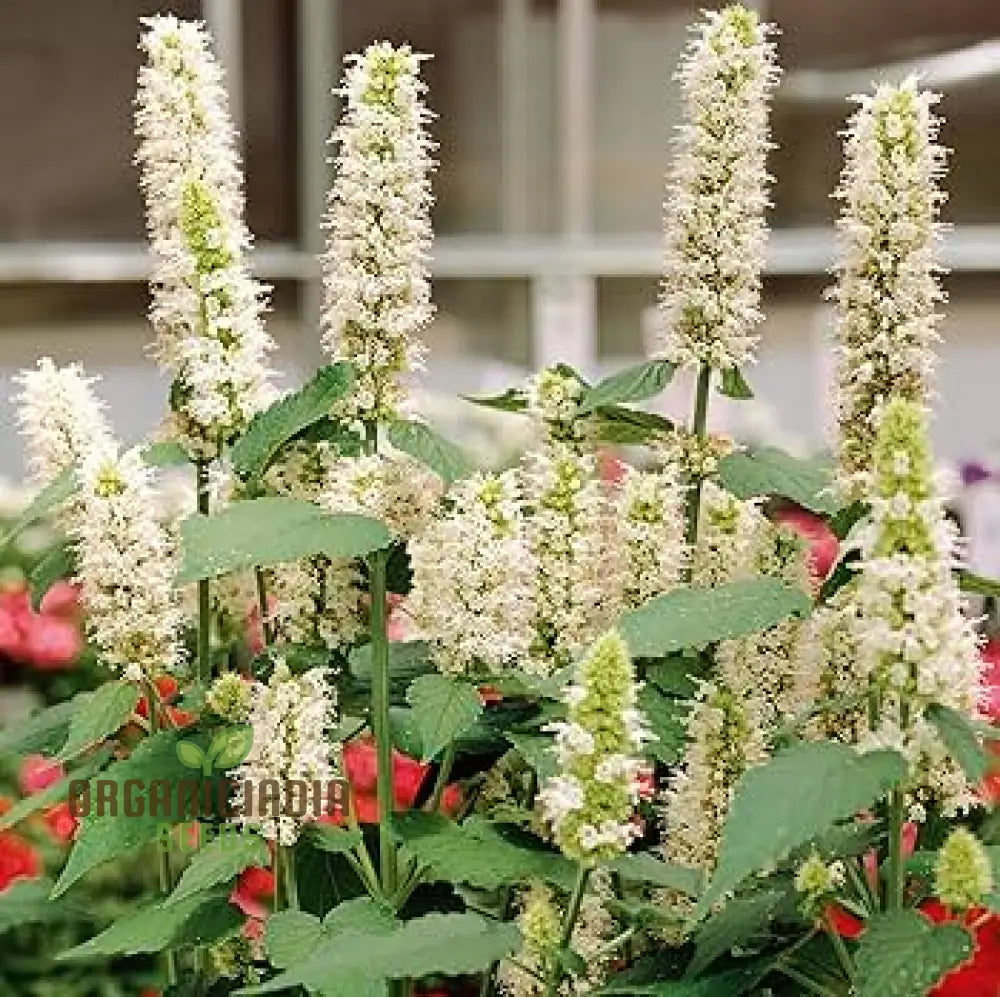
(554, 121)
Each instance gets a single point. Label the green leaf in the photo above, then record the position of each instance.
(52, 794)
(407, 660)
(634, 384)
(336, 840)
(512, 400)
(110, 835)
(642, 867)
(690, 617)
(158, 926)
(57, 491)
(969, 581)
(220, 861)
(770, 471)
(729, 984)
(789, 800)
(443, 710)
(97, 715)
(843, 521)
(665, 717)
(627, 426)
(58, 563)
(480, 853)
(230, 746)
(422, 443)
(267, 531)
(270, 430)
(734, 384)
(536, 750)
(902, 955)
(739, 921)
(959, 737)
(26, 901)
(446, 944)
(292, 936)
(164, 453)
(43, 732)
(190, 755)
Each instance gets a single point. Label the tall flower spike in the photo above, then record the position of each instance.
(472, 578)
(590, 802)
(207, 309)
(375, 268)
(887, 288)
(291, 718)
(125, 566)
(60, 418)
(717, 194)
(913, 639)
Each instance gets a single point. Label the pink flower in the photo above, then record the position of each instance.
(824, 547)
(61, 822)
(18, 859)
(38, 773)
(62, 599)
(255, 885)
(53, 642)
(990, 680)
(451, 799)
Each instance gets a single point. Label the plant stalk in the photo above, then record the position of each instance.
(291, 881)
(262, 604)
(569, 923)
(444, 774)
(699, 427)
(894, 888)
(204, 599)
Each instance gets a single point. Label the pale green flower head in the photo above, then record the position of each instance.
(230, 698)
(816, 879)
(541, 922)
(963, 874)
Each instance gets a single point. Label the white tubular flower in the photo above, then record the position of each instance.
(554, 397)
(375, 268)
(887, 288)
(771, 667)
(728, 530)
(207, 309)
(473, 578)
(126, 566)
(649, 510)
(724, 740)
(717, 194)
(60, 417)
(913, 639)
(291, 718)
(389, 486)
(590, 802)
(570, 534)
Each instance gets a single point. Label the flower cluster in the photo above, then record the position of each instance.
(887, 288)
(375, 271)
(47, 640)
(963, 873)
(60, 417)
(554, 401)
(472, 577)
(207, 309)
(817, 880)
(390, 486)
(727, 535)
(590, 802)
(718, 191)
(291, 717)
(126, 566)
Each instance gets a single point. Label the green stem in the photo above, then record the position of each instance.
(699, 427)
(276, 870)
(569, 923)
(894, 888)
(804, 981)
(262, 603)
(291, 880)
(380, 721)
(204, 600)
(164, 871)
(843, 955)
(444, 774)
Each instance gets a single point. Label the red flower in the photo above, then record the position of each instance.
(990, 680)
(646, 783)
(18, 860)
(166, 687)
(844, 923)
(253, 928)
(361, 766)
(824, 547)
(181, 718)
(253, 887)
(488, 695)
(38, 773)
(53, 642)
(980, 976)
(61, 822)
(451, 799)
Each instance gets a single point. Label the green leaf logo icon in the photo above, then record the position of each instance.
(231, 746)
(190, 755)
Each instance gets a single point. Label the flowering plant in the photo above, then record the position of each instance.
(706, 725)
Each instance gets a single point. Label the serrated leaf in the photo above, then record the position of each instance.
(26, 901)
(200, 917)
(271, 429)
(734, 384)
(634, 384)
(336, 840)
(969, 581)
(627, 426)
(52, 794)
(407, 660)
(443, 709)
(230, 746)
(428, 446)
(770, 471)
(268, 531)
(58, 563)
(729, 984)
(536, 750)
(512, 400)
(220, 861)
(959, 737)
(480, 853)
(740, 920)
(692, 617)
(57, 491)
(793, 798)
(97, 715)
(643, 868)
(446, 944)
(665, 718)
(292, 936)
(108, 836)
(902, 955)
(43, 732)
